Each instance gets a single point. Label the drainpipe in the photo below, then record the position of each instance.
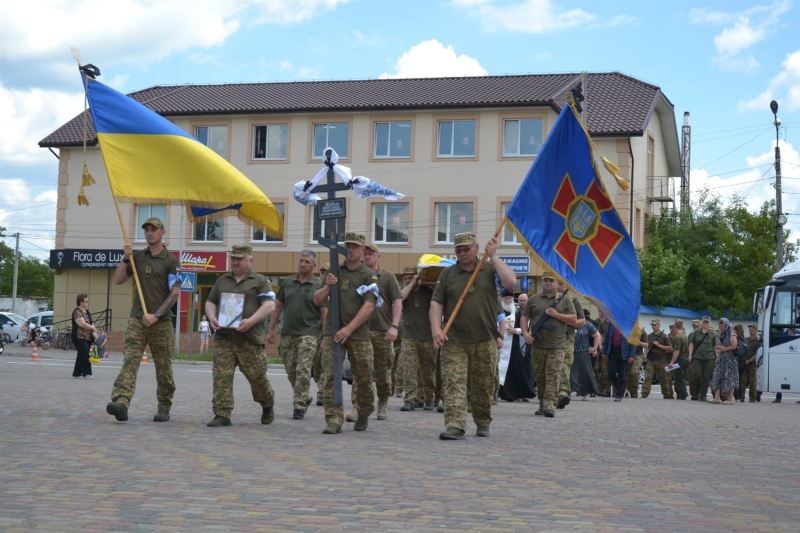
(630, 151)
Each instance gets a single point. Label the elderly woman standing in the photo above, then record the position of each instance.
(726, 374)
(83, 333)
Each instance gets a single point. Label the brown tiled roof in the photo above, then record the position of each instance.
(615, 104)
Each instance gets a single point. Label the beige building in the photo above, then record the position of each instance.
(458, 148)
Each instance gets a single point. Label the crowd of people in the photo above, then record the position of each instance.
(454, 346)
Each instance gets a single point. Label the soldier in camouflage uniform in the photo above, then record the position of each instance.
(317, 364)
(243, 346)
(158, 274)
(690, 367)
(680, 355)
(357, 299)
(659, 346)
(749, 374)
(399, 367)
(601, 365)
(471, 343)
(564, 390)
(548, 345)
(417, 349)
(300, 328)
(633, 373)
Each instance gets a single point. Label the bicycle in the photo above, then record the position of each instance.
(45, 340)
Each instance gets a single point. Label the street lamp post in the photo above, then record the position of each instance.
(781, 220)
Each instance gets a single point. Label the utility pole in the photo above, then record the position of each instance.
(781, 218)
(16, 275)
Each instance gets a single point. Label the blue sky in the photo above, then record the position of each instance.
(721, 61)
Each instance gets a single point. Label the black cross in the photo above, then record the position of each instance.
(331, 242)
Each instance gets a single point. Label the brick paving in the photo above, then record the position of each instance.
(637, 466)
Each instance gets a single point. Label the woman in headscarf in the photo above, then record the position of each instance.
(726, 373)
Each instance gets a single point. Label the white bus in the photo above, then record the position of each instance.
(778, 308)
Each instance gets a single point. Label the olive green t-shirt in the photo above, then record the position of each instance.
(655, 352)
(256, 290)
(551, 339)
(350, 301)
(300, 315)
(703, 344)
(681, 343)
(157, 274)
(752, 347)
(381, 318)
(477, 319)
(416, 315)
(579, 314)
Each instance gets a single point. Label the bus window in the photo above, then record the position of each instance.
(785, 325)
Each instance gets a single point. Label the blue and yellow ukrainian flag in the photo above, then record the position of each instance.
(568, 222)
(149, 160)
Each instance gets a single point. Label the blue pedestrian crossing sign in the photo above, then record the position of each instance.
(187, 281)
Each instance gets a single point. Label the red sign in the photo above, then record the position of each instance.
(203, 261)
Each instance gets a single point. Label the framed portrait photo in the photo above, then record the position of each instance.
(231, 308)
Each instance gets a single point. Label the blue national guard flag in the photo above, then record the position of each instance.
(565, 217)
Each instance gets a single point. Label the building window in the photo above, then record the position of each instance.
(210, 231)
(390, 223)
(522, 137)
(333, 134)
(260, 236)
(509, 236)
(269, 142)
(393, 139)
(319, 228)
(143, 212)
(456, 138)
(215, 137)
(452, 219)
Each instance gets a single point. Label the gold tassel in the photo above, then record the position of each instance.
(613, 169)
(87, 178)
(82, 200)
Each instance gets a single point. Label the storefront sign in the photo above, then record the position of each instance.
(203, 261)
(520, 264)
(85, 259)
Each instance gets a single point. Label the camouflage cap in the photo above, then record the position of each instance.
(706, 319)
(153, 221)
(464, 239)
(325, 266)
(241, 250)
(548, 275)
(410, 270)
(752, 326)
(673, 326)
(354, 238)
(655, 321)
(372, 246)
(696, 322)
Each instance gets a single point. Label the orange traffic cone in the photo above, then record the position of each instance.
(34, 355)
(144, 356)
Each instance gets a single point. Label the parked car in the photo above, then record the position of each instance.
(43, 319)
(11, 323)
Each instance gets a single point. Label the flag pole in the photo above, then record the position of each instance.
(125, 235)
(472, 280)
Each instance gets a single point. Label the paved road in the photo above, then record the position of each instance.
(640, 465)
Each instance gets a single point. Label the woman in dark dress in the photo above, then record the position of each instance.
(82, 336)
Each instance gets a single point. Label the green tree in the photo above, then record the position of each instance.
(34, 277)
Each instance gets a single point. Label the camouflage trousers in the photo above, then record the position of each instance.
(633, 376)
(664, 381)
(383, 361)
(252, 361)
(547, 371)
(316, 367)
(566, 367)
(679, 377)
(438, 393)
(748, 378)
(601, 375)
(703, 369)
(479, 360)
(690, 379)
(420, 370)
(298, 357)
(160, 337)
(360, 355)
(398, 370)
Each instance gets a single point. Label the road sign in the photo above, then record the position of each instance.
(520, 264)
(187, 281)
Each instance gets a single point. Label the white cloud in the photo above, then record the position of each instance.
(535, 16)
(15, 191)
(784, 87)
(292, 11)
(29, 116)
(749, 27)
(430, 59)
(47, 196)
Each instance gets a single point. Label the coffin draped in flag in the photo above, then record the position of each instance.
(150, 160)
(568, 222)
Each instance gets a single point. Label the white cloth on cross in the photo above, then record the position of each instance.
(373, 288)
(363, 187)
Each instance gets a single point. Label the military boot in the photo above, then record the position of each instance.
(361, 423)
(440, 408)
(332, 429)
(452, 434)
(353, 416)
(428, 406)
(407, 406)
(162, 415)
(267, 415)
(482, 431)
(219, 421)
(319, 399)
(383, 410)
(118, 410)
(298, 414)
(418, 404)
